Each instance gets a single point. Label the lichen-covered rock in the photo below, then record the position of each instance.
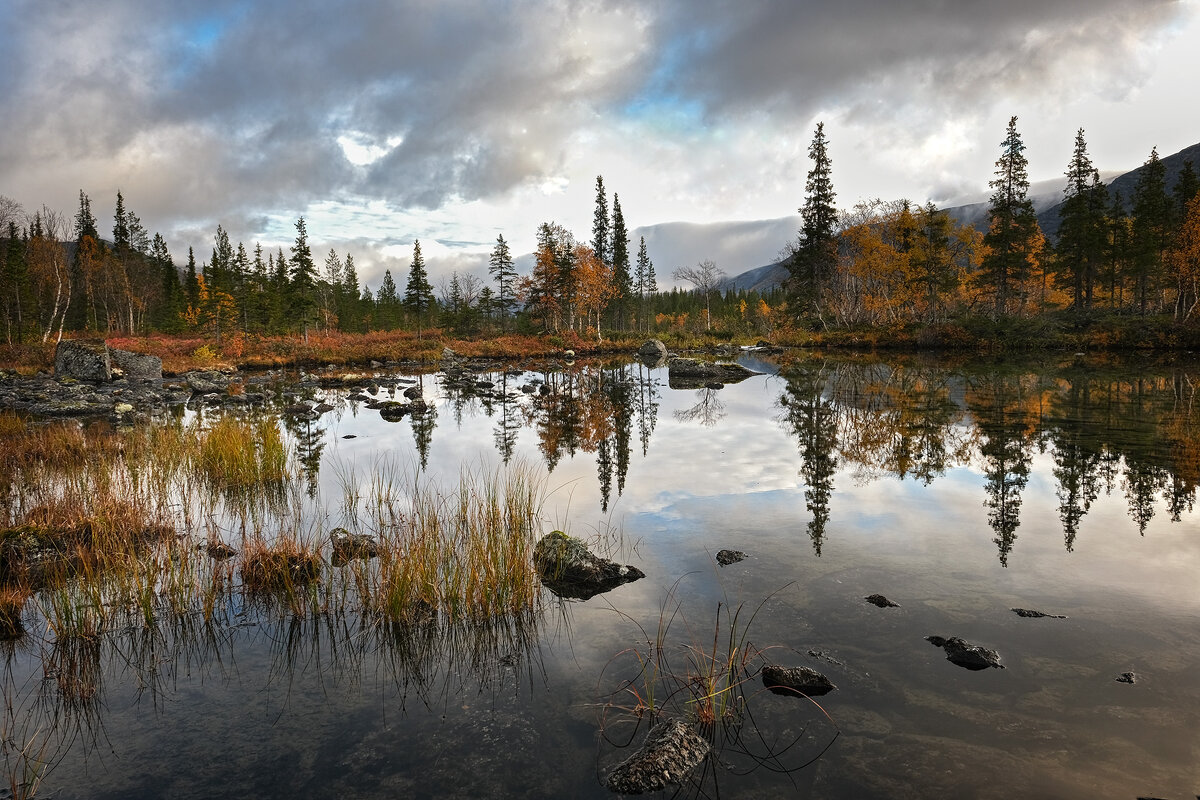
(206, 381)
(671, 751)
(692, 373)
(965, 654)
(652, 349)
(570, 570)
(136, 366)
(82, 360)
(796, 681)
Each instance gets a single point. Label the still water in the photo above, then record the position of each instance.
(960, 490)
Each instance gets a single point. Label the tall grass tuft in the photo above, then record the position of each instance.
(236, 454)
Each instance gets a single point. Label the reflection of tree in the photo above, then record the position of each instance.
(647, 405)
(1000, 411)
(423, 423)
(508, 425)
(310, 441)
(708, 410)
(1076, 468)
(811, 419)
(1142, 483)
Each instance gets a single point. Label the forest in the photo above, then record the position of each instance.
(883, 266)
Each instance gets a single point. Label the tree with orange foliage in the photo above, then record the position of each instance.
(1184, 261)
(594, 286)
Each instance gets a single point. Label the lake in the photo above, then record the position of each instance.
(959, 489)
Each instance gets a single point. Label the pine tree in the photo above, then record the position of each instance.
(601, 228)
(623, 282)
(813, 258)
(349, 305)
(1150, 230)
(1187, 186)
(303, 280)
(643, 277)
(418, 294)
(387, 303)
(191, 283)
(504, 273)
(1081, 233)
(120, 227)
(1013, 237)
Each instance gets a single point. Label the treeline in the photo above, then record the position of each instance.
(879, 264)
(61, 275)
(885, 263)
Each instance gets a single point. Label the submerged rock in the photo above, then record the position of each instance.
(671, 751)
(881, 601)
(570, 570)
(796, 680)
(1031, 614)
(1127, 677)
(965, 654)
(727, 557)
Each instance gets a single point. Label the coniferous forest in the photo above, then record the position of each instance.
(894, 269)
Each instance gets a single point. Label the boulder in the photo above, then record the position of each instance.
(206, 381)
(965, 654)
(570, 570)
(669, 754)
(880, 601)
(82, 360)
(653, 349)
(136, 366)
(796, 680)
(692, 373)
(1127, 677)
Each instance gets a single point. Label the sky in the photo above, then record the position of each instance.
(455, 121)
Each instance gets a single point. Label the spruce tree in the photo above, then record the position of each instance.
(387, 303)
(1013, 233)
(619, 251)
(1150, 230)
(303, 280)
(1187, 186)
(1081, 232)
(418, 294)
(601, 228)
(813, 259)
(504, 273)
(644, 280)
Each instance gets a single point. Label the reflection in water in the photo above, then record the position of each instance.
(1105, 432)
(708, 410)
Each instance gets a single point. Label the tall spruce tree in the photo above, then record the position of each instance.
(303, 280)
(1081, 234)
(418, 293)
(644, 280)
(1013, 234)
(619, 251)
(1150, 229)
(504, 273)
(601, 227)
(813, 258)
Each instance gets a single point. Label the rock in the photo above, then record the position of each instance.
(652, 349)
(82, 360)
(206, 381)
(1127, 677)
(671, 751)
(350, 436)
(413, 392)
(393, 411)
(217, 550)
(570, 570)
(1031, 614)
(881, 601)
(135, 366)
(796, 680)
(727, 557)
(965, 654)
(347, 545)
(122, 408)
(692, 373)
(449, 355)
(569, 353)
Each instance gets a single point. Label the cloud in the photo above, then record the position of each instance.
(207, 111)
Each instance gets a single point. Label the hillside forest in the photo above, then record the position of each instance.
(890, 265)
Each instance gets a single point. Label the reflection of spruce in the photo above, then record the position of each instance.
(423, 423)
(647, 406)
(812, 420)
